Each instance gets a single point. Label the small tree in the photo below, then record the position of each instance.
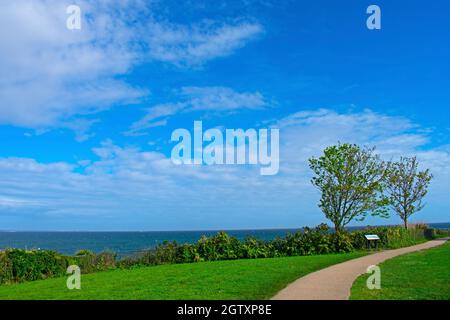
(351, 181)
(407, 186)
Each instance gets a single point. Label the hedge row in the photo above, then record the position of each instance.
(21, 265)
(18, 265)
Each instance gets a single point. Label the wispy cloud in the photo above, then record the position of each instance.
(221, 99)
(196, 44)
(209, 99)
(51, 75)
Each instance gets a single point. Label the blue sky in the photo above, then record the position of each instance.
(86, 115)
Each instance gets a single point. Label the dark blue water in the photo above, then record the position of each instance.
(120, 242)
(127, 242)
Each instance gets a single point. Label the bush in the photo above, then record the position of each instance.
(399, 237)
(166, 253)
(390, 237)
(308, 242)
(18, 265)
(187, 253)
(441, 233)
(219, 247)
(84, 252)
(341, 242)
(253, 248)
(360, 242)
(90, 262)
(21, 265)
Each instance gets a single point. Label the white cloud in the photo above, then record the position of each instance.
(221, 99)
(51, 75)
(193, 45)
(307, 133)
(211, 99)
(131, 188)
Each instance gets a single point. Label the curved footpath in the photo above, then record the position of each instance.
(335, 282)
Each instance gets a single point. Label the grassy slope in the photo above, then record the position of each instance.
(423, 275)
(239, 279)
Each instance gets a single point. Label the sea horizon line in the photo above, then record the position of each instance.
(219, 229)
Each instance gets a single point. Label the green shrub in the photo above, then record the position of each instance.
(6, 273)
(18, 265)
(441, 233)
(390, 237)
(21, 265)
(84, 252)
(146, 258)
(400, 237)
(360, 242)
(341, 242)
(308, 242)
(166, 253)
(89, 262)
(252, 248)
(219, 247)
(187, 253)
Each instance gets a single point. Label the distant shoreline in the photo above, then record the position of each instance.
(433, 224)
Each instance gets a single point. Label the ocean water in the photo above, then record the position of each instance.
(125, 243)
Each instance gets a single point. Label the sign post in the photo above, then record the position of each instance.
(372, 237)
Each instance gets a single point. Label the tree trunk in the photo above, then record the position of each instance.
(337, 228)
(405, 221)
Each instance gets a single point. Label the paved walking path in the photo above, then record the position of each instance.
(335, 282)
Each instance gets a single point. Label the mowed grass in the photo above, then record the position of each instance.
(237, 279)
(423, 275)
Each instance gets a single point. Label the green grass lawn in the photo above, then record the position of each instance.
(238, 279)
(423, 275)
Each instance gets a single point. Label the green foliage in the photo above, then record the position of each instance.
(438, 233)
(21, 265)
(341, 242)
(406, 187)
(166, 253)
(253, 248)
(308, 242)
(27, 265)
(187, 253)
(390, 237)
(84, 252)
(90, 262)
(219, 247)
(400, 237)
(351, 181)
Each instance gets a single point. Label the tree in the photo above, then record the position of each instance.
(351, 180)
(407, 186)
